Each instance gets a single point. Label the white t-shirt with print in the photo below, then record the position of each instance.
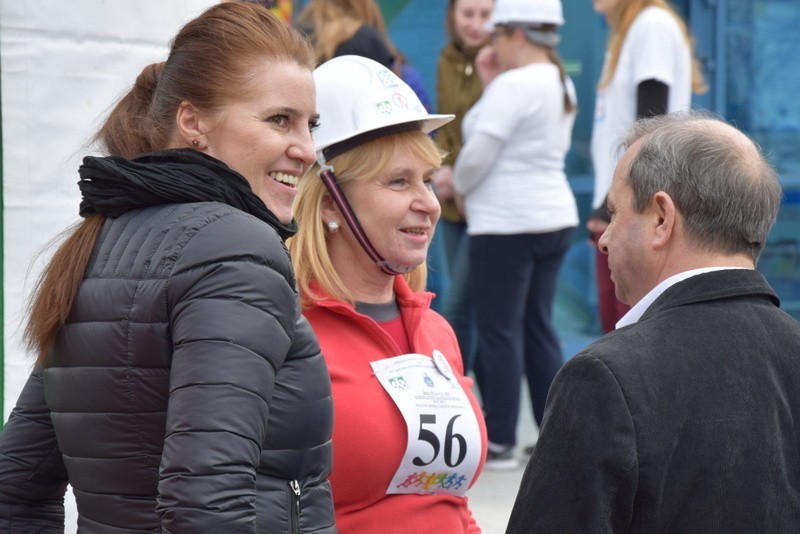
(654, 49)
(526, 190)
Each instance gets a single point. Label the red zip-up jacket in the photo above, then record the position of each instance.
(369, 432)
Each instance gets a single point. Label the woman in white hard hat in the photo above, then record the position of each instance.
(521, 212)
(408, 436)
(649, 70)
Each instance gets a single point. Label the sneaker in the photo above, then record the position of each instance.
(500, 458)
(527, 452)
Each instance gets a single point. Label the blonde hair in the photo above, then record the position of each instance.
(309, 247)
(331, 23)
(369, 13)
(619, 30)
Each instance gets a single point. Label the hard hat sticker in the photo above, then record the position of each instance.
(384, 107)
(400, 101)
(388, 79)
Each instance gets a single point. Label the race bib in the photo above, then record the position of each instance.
(444, 441)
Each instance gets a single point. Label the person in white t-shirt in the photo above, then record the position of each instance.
(521, 212)
(649, 70)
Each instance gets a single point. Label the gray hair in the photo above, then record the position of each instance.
(542, 34)
(718, 178)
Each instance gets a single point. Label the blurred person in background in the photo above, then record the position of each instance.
(521, 212)
(177, 387)
(369, 12)
(280, 8)
(408, 435)
(649, 70)
(458, 87)
(357, 27)
(340, 27)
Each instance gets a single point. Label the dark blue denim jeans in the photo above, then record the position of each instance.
(457, 308)
(513, 283)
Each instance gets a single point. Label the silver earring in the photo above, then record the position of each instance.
(333, 226)
(195, 142)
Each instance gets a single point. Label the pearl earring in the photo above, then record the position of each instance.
(195, 142)
(333, 226)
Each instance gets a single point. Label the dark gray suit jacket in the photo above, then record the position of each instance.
(687, 421)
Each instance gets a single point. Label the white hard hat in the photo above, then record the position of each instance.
(359, 99)
(526, 12)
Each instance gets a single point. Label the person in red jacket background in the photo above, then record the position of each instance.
(409, 438)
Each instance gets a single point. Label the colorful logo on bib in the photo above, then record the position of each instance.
(398, 383)
(428, 381)
(432, 482)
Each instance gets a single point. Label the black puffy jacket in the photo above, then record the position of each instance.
(185, 393)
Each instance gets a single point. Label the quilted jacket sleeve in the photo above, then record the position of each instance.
(232, 313)
(32, 475)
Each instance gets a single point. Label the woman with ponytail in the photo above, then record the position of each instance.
(521, 213)
(176, 386)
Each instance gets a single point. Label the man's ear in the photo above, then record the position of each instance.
(191, 126)
(665, 217)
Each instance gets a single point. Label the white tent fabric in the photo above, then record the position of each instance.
(63, 64)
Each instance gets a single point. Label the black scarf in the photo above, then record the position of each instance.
(112, 185)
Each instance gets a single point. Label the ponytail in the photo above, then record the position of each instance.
(569, 105)
(129, 130)
(58, 285)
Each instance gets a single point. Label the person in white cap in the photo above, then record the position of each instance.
(408, 436)
(521, 212)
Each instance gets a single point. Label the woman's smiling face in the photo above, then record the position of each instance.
(267, 136)
(469, 18)
(397, 210)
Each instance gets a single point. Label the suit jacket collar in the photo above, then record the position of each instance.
(716, 285)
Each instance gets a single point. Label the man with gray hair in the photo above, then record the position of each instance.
(687, 417)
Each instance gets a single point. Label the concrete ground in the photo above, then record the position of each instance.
(492, 496)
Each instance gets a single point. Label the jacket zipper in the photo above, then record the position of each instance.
(294, 507)
(372, 324)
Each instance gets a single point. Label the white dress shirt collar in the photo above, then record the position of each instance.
(636, 312)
